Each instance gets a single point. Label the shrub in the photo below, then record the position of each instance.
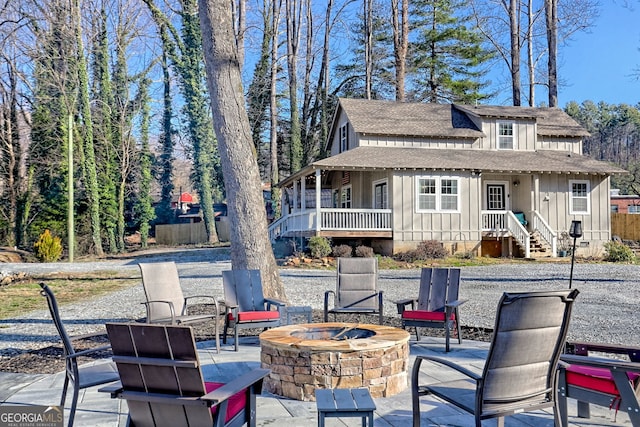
(618, 252)
(48, 248)
(429, 249)
(364, 251)
(319, 246)
(343, 251)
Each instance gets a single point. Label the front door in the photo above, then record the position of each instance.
(496, 197)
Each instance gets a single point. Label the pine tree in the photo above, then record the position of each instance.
(448, 56)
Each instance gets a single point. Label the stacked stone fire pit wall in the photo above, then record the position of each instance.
(298, 367)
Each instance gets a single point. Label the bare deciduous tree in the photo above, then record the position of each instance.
(250, 246)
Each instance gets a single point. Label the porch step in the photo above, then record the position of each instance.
(538, 247)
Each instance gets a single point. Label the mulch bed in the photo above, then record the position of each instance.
(50, 359)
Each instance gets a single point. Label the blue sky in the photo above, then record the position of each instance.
(597, 66)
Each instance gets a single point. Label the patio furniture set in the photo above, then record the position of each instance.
(529, 366)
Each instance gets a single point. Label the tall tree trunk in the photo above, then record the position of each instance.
(273, 110)
(531, 66)
(551, 12)
(368, 48)
(400, 44)
(250, 246)
(89, 158)
(514, 24)
(293, 13)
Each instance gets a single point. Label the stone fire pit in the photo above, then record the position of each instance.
(305, 357)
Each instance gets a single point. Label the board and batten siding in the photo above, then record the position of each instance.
(524, 132)
(413, 142)
(411, 227)
(552, 202)
(570, 145)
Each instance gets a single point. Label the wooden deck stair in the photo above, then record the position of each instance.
(538, 247)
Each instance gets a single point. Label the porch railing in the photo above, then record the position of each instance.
(546, 232)
(332, 219)
(355, 219)
(505, 223)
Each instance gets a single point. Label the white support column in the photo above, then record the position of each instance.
(295, 196)
(303, 193)
(318, 199)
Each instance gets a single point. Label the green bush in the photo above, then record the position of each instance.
(319, 246)
(48, 248)
(364, 251)
(618, 252)
(344, 251)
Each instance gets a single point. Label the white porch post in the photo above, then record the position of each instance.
(318, 200)
(295, 196)
(303, 194)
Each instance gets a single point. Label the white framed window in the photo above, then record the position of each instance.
(436, 193)
(345, 197)
(380, 194)
(633, 209)
(506, 135)
(579, 197)
(343, 133)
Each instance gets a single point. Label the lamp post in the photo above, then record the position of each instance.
(575, 231)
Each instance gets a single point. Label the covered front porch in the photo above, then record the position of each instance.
(310, 211)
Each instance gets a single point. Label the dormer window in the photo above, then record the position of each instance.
(505, 135)
(344, 137)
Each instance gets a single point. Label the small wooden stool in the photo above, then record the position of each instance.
(345, 402)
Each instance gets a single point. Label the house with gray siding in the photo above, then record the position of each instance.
(493, 180)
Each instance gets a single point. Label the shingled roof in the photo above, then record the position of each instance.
(503, 161)
(376, 117)
(550, 121)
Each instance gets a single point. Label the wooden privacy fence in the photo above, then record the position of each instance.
(189, 234)
(625, 226)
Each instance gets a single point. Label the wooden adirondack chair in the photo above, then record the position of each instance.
(437, 303)
(601, 380)
(246, 306)
(520, 372)
(166, 302)
(162, 382)
(356, 289)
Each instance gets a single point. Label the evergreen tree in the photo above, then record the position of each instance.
(448, 56)
(143, 207)
(106, 160)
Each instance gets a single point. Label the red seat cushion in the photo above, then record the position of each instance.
(255, 316)
(434, 316)
(598, 379)
(237, 402)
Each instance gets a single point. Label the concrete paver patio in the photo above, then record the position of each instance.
(98, 409)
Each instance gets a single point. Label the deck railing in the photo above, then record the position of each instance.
(332, 219)
(546, 232)
(355, 219)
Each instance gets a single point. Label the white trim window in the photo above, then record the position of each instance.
(344, 137)
(506, 135)
(633, 209)
(345, 197)
(436, 193)
(579, 200)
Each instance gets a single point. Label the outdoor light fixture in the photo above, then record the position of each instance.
(575, 231)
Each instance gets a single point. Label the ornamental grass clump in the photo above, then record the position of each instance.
(342, 251)
(48, 248)
(364, 251)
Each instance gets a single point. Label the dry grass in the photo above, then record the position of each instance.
(20, 297)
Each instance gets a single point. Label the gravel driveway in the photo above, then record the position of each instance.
(605, 311)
